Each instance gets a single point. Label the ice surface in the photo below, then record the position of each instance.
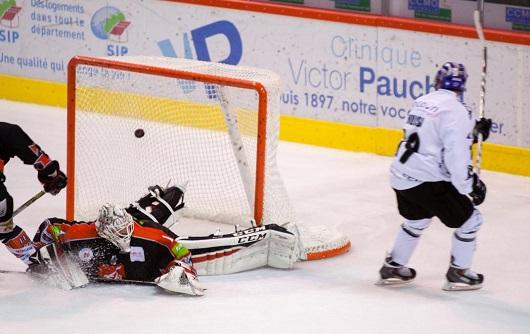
(348, 190)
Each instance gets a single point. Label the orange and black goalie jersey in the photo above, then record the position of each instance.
(153, 251)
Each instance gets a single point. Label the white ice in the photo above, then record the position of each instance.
(348, 190)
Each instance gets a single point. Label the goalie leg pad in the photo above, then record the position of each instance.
(244, 250)
(283, 248)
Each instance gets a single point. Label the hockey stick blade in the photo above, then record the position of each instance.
(64, 271)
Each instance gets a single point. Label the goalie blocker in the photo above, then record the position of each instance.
(269, 245)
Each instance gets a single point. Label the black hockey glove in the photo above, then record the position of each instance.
(52, 179)
(483, 127)
(478, 195)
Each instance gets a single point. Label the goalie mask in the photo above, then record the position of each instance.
(115, 225)
(451, 76)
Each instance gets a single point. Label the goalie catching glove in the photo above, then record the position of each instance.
(160, 205)
(180, 278)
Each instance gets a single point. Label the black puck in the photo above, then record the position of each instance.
(139, 133)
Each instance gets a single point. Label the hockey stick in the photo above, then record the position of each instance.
(120, 281)
(28, 202)
(92, 279)
(480, 33)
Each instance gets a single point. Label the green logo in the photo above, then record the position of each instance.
(359, 5)
(5, 5)
(444, 14)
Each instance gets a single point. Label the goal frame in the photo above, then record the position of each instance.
(258, 87)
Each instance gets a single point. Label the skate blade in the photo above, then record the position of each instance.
(450, 286)
(392, 281)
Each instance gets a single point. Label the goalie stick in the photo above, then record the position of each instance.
(480, 32)
(94, 279)
(101, 280)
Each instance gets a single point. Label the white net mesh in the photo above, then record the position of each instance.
(197, 134)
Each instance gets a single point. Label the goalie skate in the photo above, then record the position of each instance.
(462, 280)
(392, 273)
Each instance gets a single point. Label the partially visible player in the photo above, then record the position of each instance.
(432, 177)
(14, 142)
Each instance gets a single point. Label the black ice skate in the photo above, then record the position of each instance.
(462, 279)
(394, 273)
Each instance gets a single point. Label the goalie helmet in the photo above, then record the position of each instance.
(115, 225)
(451, 76)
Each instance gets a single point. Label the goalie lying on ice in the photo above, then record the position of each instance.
(134, 244)
(117, 247)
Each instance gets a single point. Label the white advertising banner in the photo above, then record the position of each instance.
(331, 71)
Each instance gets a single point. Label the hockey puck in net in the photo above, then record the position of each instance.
(139, 133)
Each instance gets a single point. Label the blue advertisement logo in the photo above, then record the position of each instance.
(109, 23)
(198, 42)
(9, 19)
(425, 6)
(518, 15)
(9, 13)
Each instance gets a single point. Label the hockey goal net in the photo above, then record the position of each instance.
(209, 127)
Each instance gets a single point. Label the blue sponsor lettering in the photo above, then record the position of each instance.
(9, 36)
(200, 36)
(116, 50)
(425, 6)
(518, 15)
(389, 86)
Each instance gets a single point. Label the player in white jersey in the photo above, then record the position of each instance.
(432, 176)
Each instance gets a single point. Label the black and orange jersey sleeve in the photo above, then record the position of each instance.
(67, 231)
(171, 249)
(14, 142)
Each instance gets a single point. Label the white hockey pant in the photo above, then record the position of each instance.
(464, 241)
(407, 239)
